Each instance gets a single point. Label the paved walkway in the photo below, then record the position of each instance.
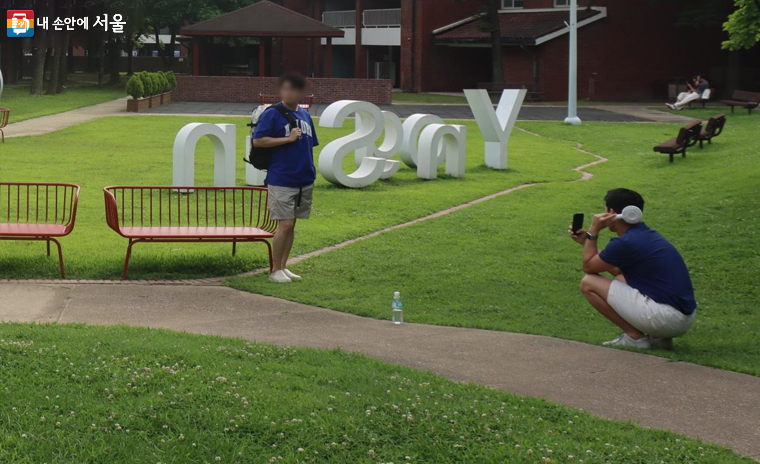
(527, 113)
(715, 405)
(55, 122)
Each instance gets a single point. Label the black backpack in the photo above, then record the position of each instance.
(261, 158)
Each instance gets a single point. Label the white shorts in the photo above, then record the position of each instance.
(654, 319)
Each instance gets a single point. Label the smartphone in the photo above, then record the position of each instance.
(577, 223)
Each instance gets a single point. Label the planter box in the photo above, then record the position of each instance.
(155, 101)
(138, 106)
(166, 98)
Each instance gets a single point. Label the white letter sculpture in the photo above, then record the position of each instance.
(362, 141)
(496, 126)
(253, 176)
(441, 143)
(412, 128)
(222, 138)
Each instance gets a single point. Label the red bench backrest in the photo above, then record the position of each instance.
(39, 203)
(162, 206)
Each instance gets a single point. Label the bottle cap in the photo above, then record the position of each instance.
(396, 294)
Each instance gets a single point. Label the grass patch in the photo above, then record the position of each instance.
(138, 151)
(413, 97)
(24, 106)
(508, 264)
(75, 394)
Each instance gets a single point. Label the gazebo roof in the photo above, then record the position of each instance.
(262, 19)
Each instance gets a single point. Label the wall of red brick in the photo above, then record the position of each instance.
(247, 89)
(622, 56)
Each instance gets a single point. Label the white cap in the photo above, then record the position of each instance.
(396, 294)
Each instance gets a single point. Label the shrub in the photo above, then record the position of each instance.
(135, 87)
(172, 79)
(163, 81)
(147, 83)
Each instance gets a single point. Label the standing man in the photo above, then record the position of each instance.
(651, 297)
(290, 134)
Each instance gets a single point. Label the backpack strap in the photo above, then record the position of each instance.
(286, 114)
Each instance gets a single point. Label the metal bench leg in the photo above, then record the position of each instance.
(271, 257)
(126, 260)
(48, 247)
(234, 247)
(671, 158)
(60, 255)
(3, 132)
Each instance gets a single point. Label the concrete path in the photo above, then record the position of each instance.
(717, 406)
(54, 122)
(527, 113)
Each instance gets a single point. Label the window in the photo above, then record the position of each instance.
(506, 4)
(561, 2)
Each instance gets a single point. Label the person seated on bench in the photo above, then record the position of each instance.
(651, 297)
(697, 89)
(291, 174)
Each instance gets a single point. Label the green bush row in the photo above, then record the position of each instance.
(146, 84)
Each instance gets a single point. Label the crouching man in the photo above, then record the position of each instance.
(651, 297)
(287, 129)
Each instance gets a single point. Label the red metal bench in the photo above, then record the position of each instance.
(38, 212)
(161, 214)
(274, 99)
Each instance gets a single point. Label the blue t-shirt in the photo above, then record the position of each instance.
(653, 266)
(292, 164)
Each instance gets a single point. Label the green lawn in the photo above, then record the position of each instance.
(138, 151)
(412, 97)
(24, 106)
(508, 264)
(74, 394)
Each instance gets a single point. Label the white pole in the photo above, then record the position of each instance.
(572, 91)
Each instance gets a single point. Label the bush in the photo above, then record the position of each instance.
(172, 79)
(147, 82)
(164, 82)
(135, 87)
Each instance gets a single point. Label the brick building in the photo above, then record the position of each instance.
(628, 49)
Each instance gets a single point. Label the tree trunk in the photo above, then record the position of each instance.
(101, 62)
(734, 74)
(172, 47)
(55, 65)
(114, 54)
(38, 70)
(63, 73)
(494, 23)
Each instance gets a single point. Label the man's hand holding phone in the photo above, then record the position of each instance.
(578, 236)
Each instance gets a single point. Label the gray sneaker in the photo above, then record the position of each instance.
(625, 340)
(662, 343)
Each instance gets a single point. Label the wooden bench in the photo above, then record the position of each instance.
(275, 99)
(687, 137)
(713, 129)
(161, 214)
(743, 99)
(703, 99)
(40, 212)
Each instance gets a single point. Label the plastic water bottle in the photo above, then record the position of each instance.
(397, 309)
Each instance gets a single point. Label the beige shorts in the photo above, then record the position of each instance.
(654, 319)
(290, 202)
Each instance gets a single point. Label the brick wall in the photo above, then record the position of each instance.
(247, 89)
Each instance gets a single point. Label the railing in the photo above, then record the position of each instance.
(382, 18)
(200, 207)
(39, 203)
(344, 19)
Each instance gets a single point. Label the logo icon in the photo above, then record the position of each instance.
(20, 23)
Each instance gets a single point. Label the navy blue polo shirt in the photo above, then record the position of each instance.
(653, 266)
(292, 164)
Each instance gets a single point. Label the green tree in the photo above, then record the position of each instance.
(743, 25)
(491, 23)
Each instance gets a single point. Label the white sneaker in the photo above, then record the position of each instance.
(671, 106)
(292, 276)
(280, 277)
(625, 340)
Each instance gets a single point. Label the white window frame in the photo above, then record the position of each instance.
(509, 4)
(561, 3)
